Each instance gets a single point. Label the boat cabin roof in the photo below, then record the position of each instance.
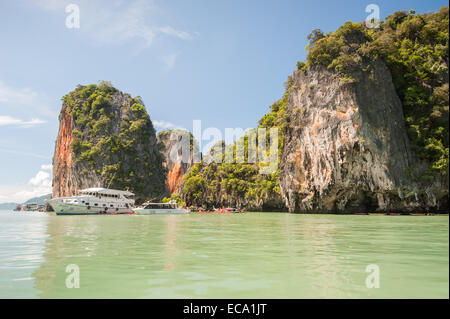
(106, 191)
(160, 205)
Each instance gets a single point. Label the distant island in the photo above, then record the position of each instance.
(363, 127)
(40, 200)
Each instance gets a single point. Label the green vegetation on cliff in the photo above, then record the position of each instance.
(238, 183)
(415, 49)
(114, 137)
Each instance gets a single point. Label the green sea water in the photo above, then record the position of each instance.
(252, 255)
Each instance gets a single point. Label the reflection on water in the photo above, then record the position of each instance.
(254, 255)
(22, 240)
(170, 243)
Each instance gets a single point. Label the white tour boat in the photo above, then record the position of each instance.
(160, 209)
(94, 201)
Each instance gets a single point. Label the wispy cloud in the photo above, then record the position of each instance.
(12, 95)
(183, 35)
(51, 4)
(13, 99)
(47, 167)
(17, 152)
(113, 22)
(12, 121)
(169, 61)
(164, 125)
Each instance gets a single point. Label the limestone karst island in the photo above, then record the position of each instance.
(363, 127)
(194, 150)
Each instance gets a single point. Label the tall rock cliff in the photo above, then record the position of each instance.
(346, 147)
(368, 116)
(176, 148)
(106, 138)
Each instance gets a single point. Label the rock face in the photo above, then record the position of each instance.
(176, 150)
(346, 147)
(106, 138)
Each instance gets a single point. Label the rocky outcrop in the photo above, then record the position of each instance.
(106, 138)
(176, 148)
(346, 147)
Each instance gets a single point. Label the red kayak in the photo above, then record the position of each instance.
(223, 210)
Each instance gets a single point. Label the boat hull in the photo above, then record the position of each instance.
(73, 209)
(143, 211)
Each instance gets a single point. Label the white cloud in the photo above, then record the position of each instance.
(183, 35)
(25, 194)
(8, 194)
(8, 120)
(5, 150)
(121, 25)
(119, 21)
(13, 99)
(12, 95)
(47, 167)
(40, 184)
(165, 125)
(41, 179)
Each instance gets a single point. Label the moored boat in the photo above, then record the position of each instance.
(170, 208)
(94, 201)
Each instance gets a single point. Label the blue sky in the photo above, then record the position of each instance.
(220, 61)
